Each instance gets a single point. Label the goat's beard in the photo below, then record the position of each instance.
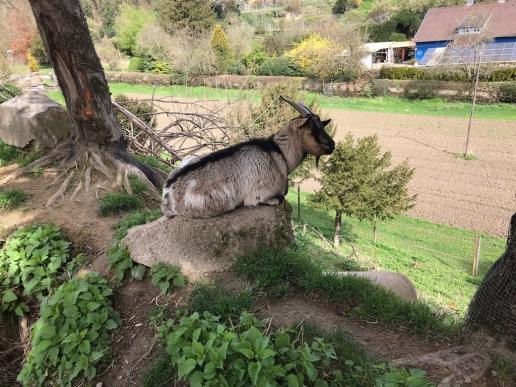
(317, 161)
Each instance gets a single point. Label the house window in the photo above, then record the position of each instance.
(469, 30)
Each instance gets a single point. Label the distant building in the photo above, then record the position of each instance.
(492, 23)
(379, 53)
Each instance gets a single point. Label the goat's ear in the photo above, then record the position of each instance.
(326, 122)
(302, 122)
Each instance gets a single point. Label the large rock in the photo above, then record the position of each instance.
(33, 119)
(202, 246)
(397, 283)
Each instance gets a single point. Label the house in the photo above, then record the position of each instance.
(487, 29)
(379, 53)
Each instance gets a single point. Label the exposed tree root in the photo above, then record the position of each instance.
(461, 364)
(91, 167)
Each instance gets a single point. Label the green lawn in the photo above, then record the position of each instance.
(436, 258)
(432, 107)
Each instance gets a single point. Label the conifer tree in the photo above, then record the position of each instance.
(221, 47)
(358, 181)
(195, 15)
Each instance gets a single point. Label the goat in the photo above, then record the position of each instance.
(250, 173)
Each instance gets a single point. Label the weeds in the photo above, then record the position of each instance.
(114, 203)
(12, 198)
(135, 219)
(167, 277)
(8, 154)
(467, 156)
(120, 261)
(220, 302)
(71, 337)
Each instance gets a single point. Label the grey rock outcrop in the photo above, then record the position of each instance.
(33, 119)
(202, 246)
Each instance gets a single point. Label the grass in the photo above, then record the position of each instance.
(220, 302)
(12, 198)
(430, 107)
(8, 154)
(114, 203)
(277, 273)
(134, 219)
(468, 157)
(437, 258)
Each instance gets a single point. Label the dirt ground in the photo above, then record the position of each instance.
(476, 194)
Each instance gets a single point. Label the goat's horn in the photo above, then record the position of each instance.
(302, 109)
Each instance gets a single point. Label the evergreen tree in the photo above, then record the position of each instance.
(340, 7)
(196, 15)
(221, 47)
(358, 182)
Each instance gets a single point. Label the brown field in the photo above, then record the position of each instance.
(477, 194)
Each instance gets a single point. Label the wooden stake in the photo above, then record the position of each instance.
(476, 255)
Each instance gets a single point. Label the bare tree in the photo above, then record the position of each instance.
(96, 147)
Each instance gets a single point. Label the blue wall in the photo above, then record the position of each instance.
(422, 47)
(505, 40)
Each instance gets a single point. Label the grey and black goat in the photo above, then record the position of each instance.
(247, 174)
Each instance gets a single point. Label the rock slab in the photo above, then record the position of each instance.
(202, 246)
(33, 119)
(397, 283)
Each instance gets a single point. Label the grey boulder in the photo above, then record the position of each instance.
(202, 246)
(33, 120)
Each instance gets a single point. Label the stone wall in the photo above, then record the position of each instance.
(488, 92)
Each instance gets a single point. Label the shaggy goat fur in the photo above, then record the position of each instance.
(245, 174)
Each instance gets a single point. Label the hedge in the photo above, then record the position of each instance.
(452, 74)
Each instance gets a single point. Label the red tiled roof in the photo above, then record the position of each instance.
(442, 23)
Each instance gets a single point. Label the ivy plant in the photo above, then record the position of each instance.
(167, 277)
(32, 263)
(71, 336)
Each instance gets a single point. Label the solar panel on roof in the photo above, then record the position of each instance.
(490, 52)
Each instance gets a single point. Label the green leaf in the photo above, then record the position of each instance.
(254, 369)
(47, 331)
(138, 272)
(110, 324)
(292, 380)
(185, 366)
(9, 296)
(195, 379)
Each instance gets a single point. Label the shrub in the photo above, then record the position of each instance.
(32, 63)
(279, 66)
(340, 7)
(71, 337)
(167, 277)
(236, 67)
(37, 50)
(503, 74)
(12, 198)
(135, 64)
(129, 23)
(209, 353)
(8, 91)
(140, 109)
(32, 262)
(255, 58)
(114, 203)
(195, 15)
(508, 92)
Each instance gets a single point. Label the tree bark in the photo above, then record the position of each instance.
(66, 37)
(338, 225)
(78, 70)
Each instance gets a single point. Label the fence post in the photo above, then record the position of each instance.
(476, 255)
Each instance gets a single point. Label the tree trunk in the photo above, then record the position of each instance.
(96, 133)
(78, 70)
(338, 225)
(493, 306)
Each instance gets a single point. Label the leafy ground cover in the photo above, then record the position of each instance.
(437, 258)
(431, 107)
